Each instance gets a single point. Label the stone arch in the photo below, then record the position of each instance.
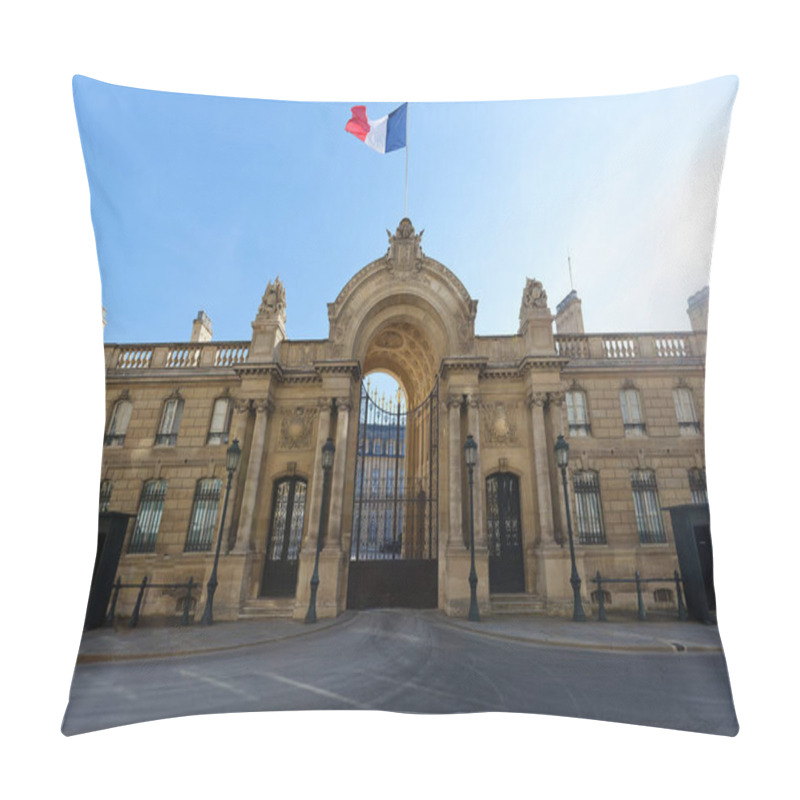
(403, 313)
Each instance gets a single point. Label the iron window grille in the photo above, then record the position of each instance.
(684, 410)
(577, 417)
(118, 424)
(588, 509)
(697, 485)
(204, 515)
(219, 428)
(105, 495)
(170, 422)
(649, 523)
(151, 506)
(632, 419)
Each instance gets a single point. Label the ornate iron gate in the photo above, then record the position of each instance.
(395, 512)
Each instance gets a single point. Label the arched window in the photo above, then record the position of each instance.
(631, 405)
(577, 416)
(170, 421)
(118, 423)
(148, 519)
(204, 515)
(684, 410)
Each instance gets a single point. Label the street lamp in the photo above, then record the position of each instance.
(232, 459)
(471, 456)
(562, 460)
(327, 463)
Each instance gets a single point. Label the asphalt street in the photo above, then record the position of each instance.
(410, 662)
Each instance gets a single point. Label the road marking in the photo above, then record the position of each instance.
(315, 689)
(190, 673)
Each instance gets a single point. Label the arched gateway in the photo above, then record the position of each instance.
(395, 520)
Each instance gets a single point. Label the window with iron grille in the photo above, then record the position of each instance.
(649, 523)
(170, 422)
(105, 495)
(684, 410)
(577, 417)
(662, 595)
(118, 423)
(148, 519)
(631, 405)
(220, 421)
(697, 485)
(588, 510)
(204, 515)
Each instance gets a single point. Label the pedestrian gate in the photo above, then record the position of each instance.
(393, 553)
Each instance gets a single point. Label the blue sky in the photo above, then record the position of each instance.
(199, 201)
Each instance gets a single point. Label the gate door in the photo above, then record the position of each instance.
(283, 546)
(395, 532)
(506, 572)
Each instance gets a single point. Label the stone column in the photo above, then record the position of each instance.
(241, 414)
(474, 427)
(315, 505)
(455, 535)
(536, 402)
(250, 492)
(554, 424)
(337, 479)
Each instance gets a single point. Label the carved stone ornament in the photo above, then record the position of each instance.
(273, 304)
(534, 295)
(499, 424)
(296, 427)
(537, 399)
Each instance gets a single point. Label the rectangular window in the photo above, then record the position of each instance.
(632, 418)
(649, 522)
(577, 418)
(170, 422)
(220, 421)
(697, 485)
(204, 515)
(105, 495)
(588, 511)
(684, 410)
(151, 506)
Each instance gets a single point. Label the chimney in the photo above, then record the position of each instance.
(569, 317)
(201, 328)
(698, 310)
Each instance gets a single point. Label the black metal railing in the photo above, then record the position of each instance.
(638, 580)
(144, 585)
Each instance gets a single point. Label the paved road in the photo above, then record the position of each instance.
(412, 662)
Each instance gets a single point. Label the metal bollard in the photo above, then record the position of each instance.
(185, 620)
(601, 603)
(639, 598)
(682, 615)
(113, 610)
(135, 616)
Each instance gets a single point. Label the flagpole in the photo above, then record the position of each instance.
(405, 200)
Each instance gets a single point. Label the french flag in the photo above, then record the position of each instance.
(385, 134)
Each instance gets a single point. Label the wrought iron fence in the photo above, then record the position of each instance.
(143, 586)
(638, 580)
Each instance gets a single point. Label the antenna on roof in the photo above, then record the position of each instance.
(569, 265)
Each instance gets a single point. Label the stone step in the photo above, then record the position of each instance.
(517, 603)
(267, 608)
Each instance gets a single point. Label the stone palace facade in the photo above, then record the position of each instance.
(630, 406)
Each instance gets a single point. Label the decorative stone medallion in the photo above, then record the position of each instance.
(296, 427)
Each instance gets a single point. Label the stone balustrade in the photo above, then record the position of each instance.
(630, 346)
(175, 356)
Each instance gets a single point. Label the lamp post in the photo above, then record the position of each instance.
(232, 459)
(328, 450)
(562, 460)
(471, 456)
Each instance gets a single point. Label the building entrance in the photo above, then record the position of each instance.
(393, 552)
(506, 574)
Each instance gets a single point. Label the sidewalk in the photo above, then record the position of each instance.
(651, 635)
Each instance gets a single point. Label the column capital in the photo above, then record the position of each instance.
(556, 398)
(242, 404)
(263, 404)
(473, 400)
(538, 399)
(454, 400)
(343, 404)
